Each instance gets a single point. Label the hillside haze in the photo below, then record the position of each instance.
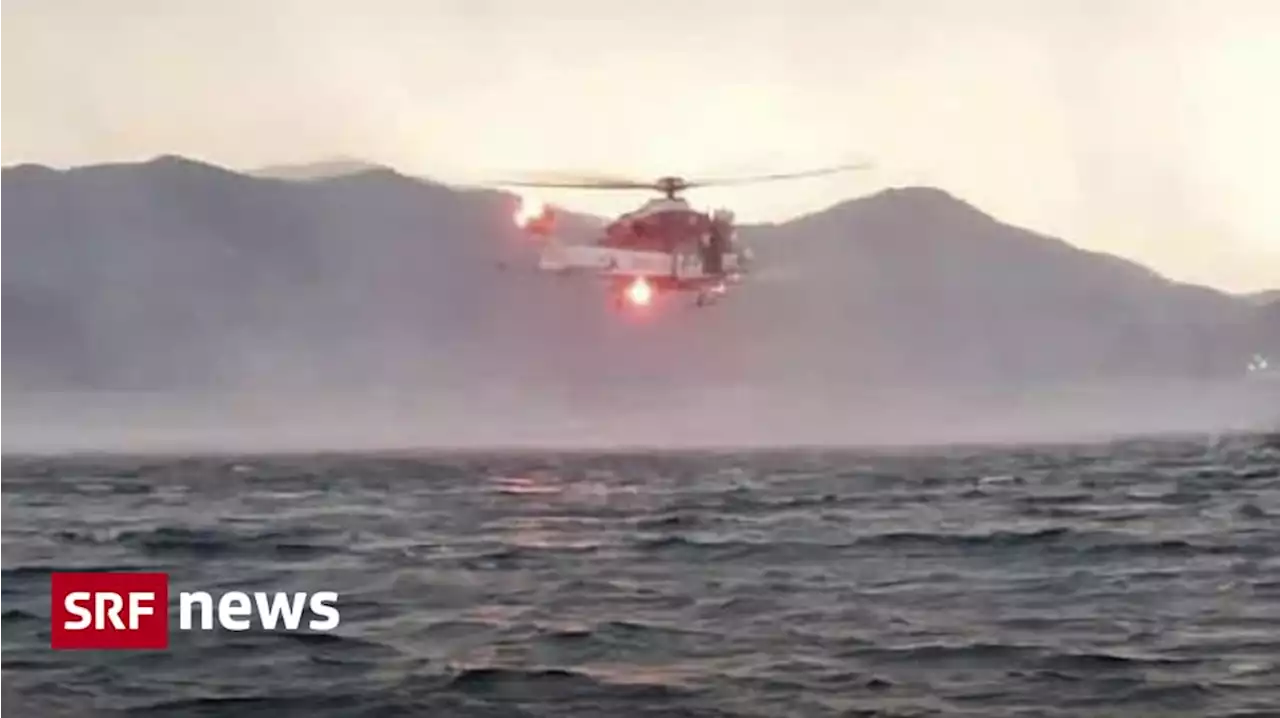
(365, 298)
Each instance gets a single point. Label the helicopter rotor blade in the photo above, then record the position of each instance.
(576, 181)
(613, 182)
(725, 181)
(589, 184)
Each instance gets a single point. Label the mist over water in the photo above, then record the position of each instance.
(482, 415)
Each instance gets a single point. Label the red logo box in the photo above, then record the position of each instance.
(109, 611)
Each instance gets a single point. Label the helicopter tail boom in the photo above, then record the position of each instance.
(611, 261)
(567, 257)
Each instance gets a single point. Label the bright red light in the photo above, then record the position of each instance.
(639, 292)
(530, 210)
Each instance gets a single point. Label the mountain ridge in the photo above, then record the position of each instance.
(342, 169)
(322, 169)
(227, 268)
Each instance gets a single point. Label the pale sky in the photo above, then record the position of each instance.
(1147, 128)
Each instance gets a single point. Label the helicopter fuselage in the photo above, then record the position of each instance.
(661, 225)
(664, 246)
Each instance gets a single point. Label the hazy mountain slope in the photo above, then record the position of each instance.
(943, 287)
(573, 225)
(1269, 330)
(175, 274)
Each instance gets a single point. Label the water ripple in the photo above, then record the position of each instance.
(1129, 578)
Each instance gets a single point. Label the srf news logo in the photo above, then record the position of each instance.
(130, 611)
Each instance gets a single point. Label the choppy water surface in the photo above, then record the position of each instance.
(1128, 579)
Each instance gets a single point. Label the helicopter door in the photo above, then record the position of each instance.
(713, 261)
(688, 264)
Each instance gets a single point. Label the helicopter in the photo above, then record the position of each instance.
(663, 246)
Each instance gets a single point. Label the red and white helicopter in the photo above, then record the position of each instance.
(663, 246)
